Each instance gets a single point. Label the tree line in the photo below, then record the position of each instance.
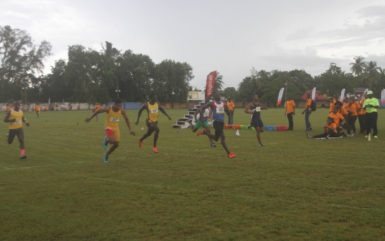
(99, 76)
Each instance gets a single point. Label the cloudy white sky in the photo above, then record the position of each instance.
(230, 36)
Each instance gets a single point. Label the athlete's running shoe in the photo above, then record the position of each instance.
(105, 158)
(140, 144)
(231, 155)
(213, 145)
(155, 149)
(375, 137)
(261, 145)
(23, 157)
(105, 142)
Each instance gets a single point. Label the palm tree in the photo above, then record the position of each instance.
(371, 68)
(358, 66)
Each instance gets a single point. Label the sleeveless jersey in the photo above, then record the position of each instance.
(18, 116)
(256, 112)
(153, 112)
(112, 119)
(218, 111)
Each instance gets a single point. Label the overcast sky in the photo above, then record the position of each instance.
(230, 36)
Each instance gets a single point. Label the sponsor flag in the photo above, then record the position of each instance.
(342, 96)
(313, 93)
(383, 97)
(210, 83)
(280, 94)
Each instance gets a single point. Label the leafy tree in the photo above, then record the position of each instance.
(230, 93)
(20, 61)
(358, 66)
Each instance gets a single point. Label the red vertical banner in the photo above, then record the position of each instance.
(210, 83)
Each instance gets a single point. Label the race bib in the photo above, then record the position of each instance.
(206, 113)
(220, 110)
(18, 122)
(114, 119)
(154, 111)
(258, 109)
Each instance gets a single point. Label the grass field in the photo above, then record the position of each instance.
(291, 189)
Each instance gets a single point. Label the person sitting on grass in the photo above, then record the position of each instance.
(338, 118)
(331, 130)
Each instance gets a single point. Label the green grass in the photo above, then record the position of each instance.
(291, 189)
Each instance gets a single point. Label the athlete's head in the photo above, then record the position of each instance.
(330, 120)
(16, 106)
(217, 97)
(153, 97)
(256, 97)
(118, 103)
(369, 93)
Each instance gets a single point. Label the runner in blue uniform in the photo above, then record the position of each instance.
(218, 109)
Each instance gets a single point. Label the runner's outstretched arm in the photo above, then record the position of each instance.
(247, 109)
(127, 122)
(144, 107)
(97, 113)
(164, 112)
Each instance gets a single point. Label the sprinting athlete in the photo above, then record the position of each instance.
(112, 126)
(218, 109)
(16, 119)
(204, 113)
(254, 108)
(153, 107)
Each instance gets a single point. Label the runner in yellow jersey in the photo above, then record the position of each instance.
(112, 126)
(153, 109)
(16, 119)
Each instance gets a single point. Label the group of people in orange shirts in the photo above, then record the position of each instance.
(343, 116)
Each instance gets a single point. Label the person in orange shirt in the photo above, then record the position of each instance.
(8, 108)
(338, 119)
(331, 130)
(230, 106)
(362, 115)
(96, 109)
(353, 107)
(307, 113)
(37, 110)
(332, 104)
(290, 112)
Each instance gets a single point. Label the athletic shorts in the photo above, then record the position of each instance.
(201, 124)
(218, 126)
(15, 132)
(257, 123)
(151, 124)
(113, 132)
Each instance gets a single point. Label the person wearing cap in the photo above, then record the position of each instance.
(371, 105)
